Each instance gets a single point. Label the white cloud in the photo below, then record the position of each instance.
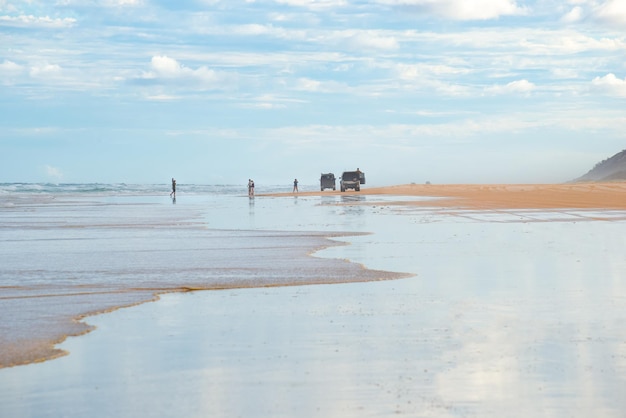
(610, 84)
(611, 11)
(270, 101)
(5, 6)
(565, 73)
(439, 78)
(307, 84)
(399, 135)
(514, 87)
(45, 71)
(123, 3)
(162, 97)
(462, 9)
(352, 38)
(47, 75)
(310, 85)
(550, 42)
(53, 172)
(101, 3)
(417, 71)
(166, 69)
(574, 15)
(10, 68)
(314, 4)
(263, 105)
(10, 72)
(254, 29)
(36, 21)
(371, 40)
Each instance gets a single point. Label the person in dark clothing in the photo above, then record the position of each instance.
(173, 193)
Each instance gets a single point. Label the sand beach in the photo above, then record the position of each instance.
(414, 300)
(609, 195)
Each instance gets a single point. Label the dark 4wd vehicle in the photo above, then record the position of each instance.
(327, 181)
(352, 180)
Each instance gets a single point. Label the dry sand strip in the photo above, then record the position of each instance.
(504, 196)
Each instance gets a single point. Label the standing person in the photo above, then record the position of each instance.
(250, 187)
(295, 185)
(173, 193)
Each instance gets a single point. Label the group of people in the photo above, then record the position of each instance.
(250, 187)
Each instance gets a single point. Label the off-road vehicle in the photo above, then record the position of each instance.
(352, 180)
(327, 181)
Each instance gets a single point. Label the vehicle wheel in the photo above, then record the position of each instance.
(357, 188)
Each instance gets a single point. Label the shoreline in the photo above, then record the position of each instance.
(476, 197)
(41, 348)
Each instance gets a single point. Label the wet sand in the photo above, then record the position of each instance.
(513, 309)
(611, 195)
(66, 259)
(36, 318)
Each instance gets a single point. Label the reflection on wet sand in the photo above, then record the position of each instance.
(510, 312)
(91, 257)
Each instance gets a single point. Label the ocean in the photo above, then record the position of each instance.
(116, 189)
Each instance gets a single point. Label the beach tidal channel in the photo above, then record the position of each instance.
(508, 313)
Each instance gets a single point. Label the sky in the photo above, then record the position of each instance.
(220, 91)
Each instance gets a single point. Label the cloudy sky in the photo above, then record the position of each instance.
(218, 91)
